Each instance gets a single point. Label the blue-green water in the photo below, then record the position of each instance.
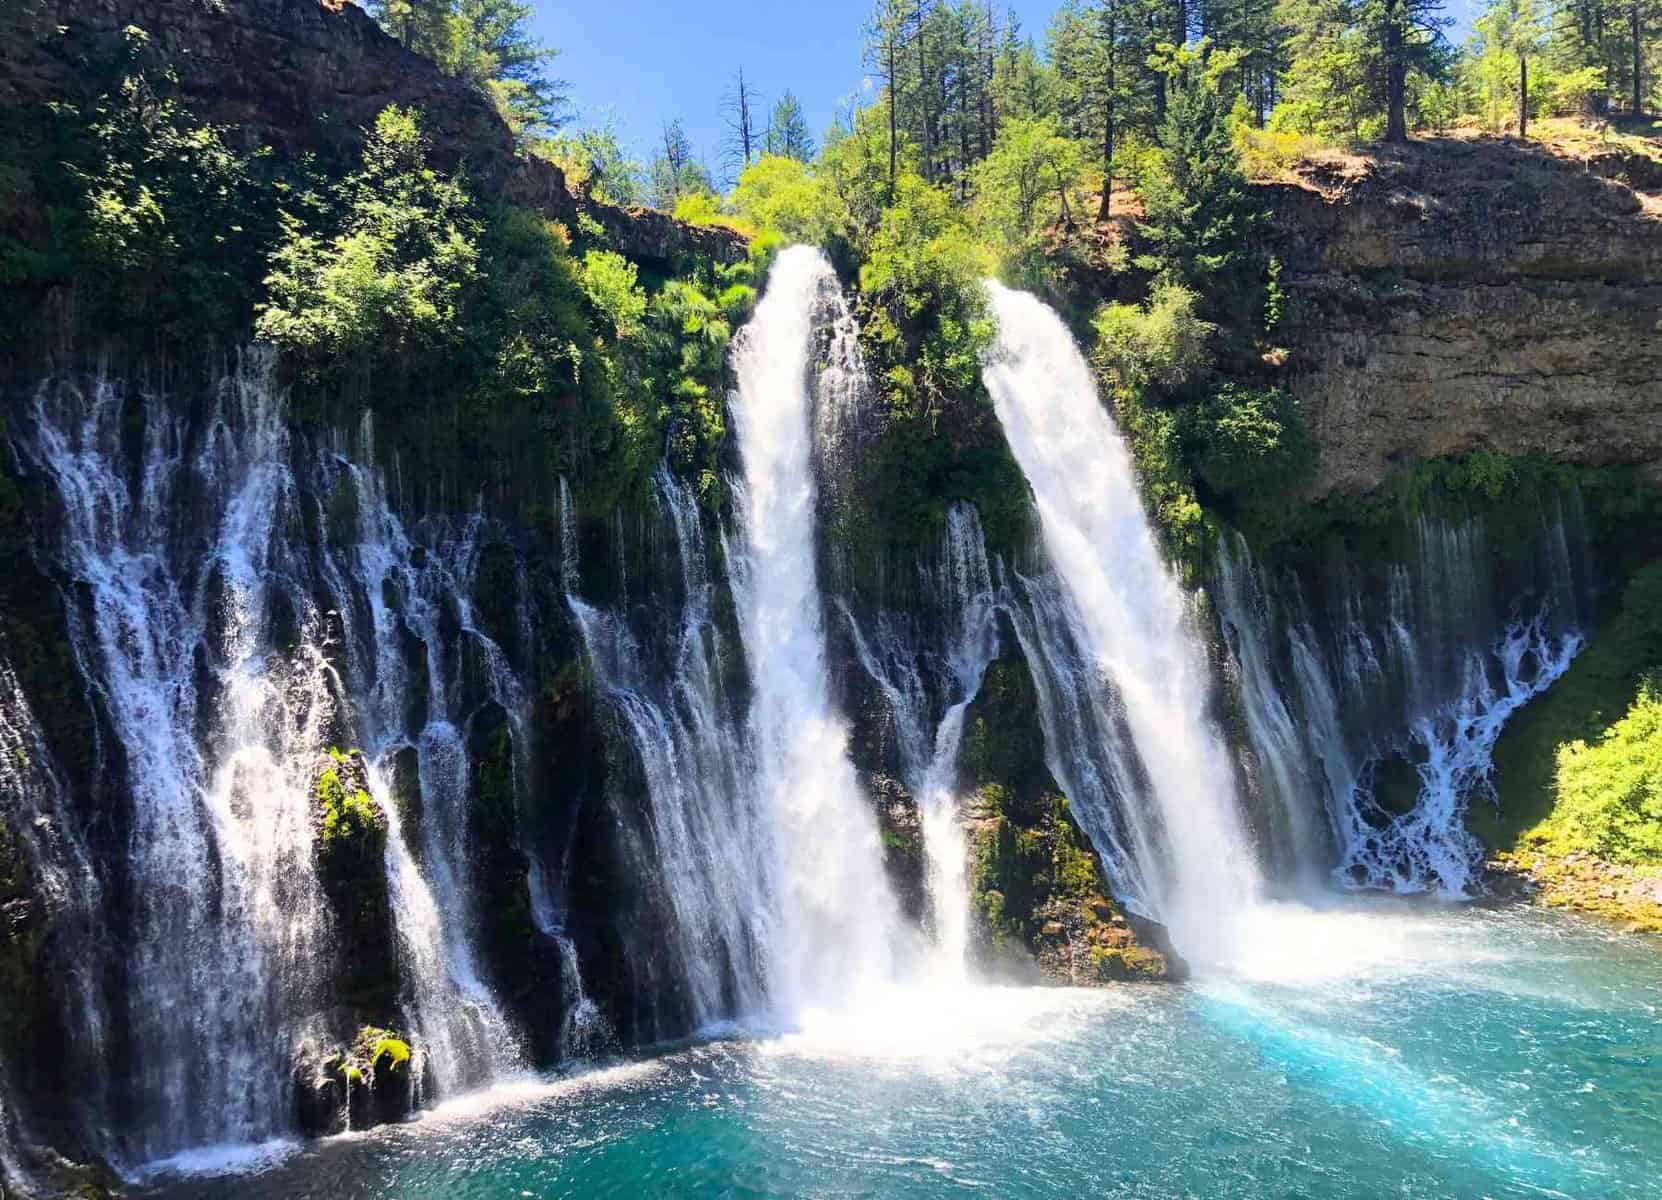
(1380, 1052)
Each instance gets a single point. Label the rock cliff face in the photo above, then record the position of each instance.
(1451, 295)
(305, 76)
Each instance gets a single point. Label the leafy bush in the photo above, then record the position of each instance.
(1252, 445)
(1030, 178)
(784, 195)
(1610, 791)
(394, 276)
(609, 281)
(1161, 342)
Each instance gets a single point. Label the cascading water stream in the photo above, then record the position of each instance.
(919, 680)
(711, 844)
(1429, 679)
(1191, 863)
(838, 923)
(212, 637)
(227, 921)
(411, 594)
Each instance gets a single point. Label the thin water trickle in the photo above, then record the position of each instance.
(929, 674)
(418, 595)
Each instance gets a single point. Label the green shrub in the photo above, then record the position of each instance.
(393, 278)
(1609, 792)
(1252, 445)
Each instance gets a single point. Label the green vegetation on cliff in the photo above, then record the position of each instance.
(1581, 768)
(1037, 885)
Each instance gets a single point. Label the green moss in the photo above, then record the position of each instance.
(352, 821)
(392, 1050)
(374, 1051)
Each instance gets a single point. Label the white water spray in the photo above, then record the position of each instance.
(838, 921)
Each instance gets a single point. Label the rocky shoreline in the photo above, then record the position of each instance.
(1628, 895)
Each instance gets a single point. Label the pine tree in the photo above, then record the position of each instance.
(1199, 217)
(787, 133)
(1100, 53)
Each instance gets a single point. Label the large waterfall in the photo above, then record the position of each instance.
(1186, 857)
(838, 920)
(245, 606)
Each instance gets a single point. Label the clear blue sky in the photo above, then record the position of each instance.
(647, 61)
(651, 60)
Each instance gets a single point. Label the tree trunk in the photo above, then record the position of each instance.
(1102, 211)
(1396, 75)
(1638, 58)
(923, 101)
(894, 83)
(1523, 95)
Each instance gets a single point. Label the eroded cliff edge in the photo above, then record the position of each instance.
(1453, 294)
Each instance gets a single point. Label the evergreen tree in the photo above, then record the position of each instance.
(1100, 53)
(674, 173)
(889, 34)
(1350, 63)
(787, 133)
(488, 43)
(1199, 218)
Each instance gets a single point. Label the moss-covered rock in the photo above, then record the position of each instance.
(1629, 895)
(351, 846)
(369, 1082)
(901, 829)
(1041, 904)
(1039, 890)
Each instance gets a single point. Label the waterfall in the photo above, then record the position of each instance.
(710, 844)
(921, 676)
(227, 919)
(1418, 669)
(43, 828)
(227, 650)
(837, 916)
(411, 593)
(1185, 857)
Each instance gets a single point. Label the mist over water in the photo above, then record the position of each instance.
(1470, 1053)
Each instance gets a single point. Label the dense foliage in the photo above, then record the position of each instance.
(1610, 792)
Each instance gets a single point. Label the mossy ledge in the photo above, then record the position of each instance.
(1042, 908)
